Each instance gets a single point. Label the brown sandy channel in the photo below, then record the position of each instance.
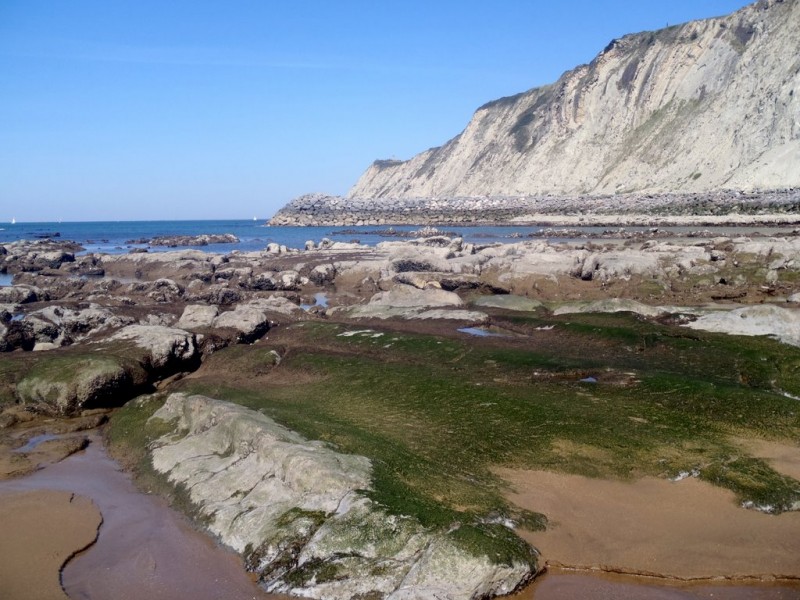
(144, 548)
(39, 532)
(684, 530)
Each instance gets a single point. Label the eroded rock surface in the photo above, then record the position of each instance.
(67, 384)
(297, 511)
(160, 346)
(773, 321)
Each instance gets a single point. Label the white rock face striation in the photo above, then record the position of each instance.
(763, 319)
(711, 104)
(295, 510)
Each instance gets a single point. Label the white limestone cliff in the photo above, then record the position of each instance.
(711, 104)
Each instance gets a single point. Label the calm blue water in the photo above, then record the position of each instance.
(114, 236)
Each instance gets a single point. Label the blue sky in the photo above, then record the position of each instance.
(113, 110)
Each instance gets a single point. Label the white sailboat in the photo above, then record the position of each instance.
(13, 220)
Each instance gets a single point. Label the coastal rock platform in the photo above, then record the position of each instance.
(381, 389)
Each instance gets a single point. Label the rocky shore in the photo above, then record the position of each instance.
(231, 363)
(302, 521)
(733, 207)
(173, 241)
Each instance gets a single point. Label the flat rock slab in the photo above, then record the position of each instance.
(611, 305)
(41, 530)
(764, 319)
(507, 302)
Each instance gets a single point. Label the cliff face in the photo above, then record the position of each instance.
(706, 105)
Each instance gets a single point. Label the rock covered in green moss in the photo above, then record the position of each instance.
(508, 302)
(612, 305)
(68, 383)
(296, 509)
(116, 370)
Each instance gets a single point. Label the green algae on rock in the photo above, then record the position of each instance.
(299, 512)
(67, 383)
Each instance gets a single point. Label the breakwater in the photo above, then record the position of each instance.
(739, 208)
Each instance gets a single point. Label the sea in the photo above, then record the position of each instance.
(117, 237)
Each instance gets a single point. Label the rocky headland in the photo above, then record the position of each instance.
(698, 107)
(689, 125)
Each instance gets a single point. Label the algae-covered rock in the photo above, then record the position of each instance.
(611, 305)
(507, 302)
(246, 471)
(362, 549)
(449, 568)
(297, 511)
(115, 371)
(68, 383)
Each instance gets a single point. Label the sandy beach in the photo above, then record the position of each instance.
(41, 531)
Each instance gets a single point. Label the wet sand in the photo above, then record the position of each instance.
(28, 442)
(564, 585)
(144, 548)
(686, 530)
(780, 456)
(40, 531)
